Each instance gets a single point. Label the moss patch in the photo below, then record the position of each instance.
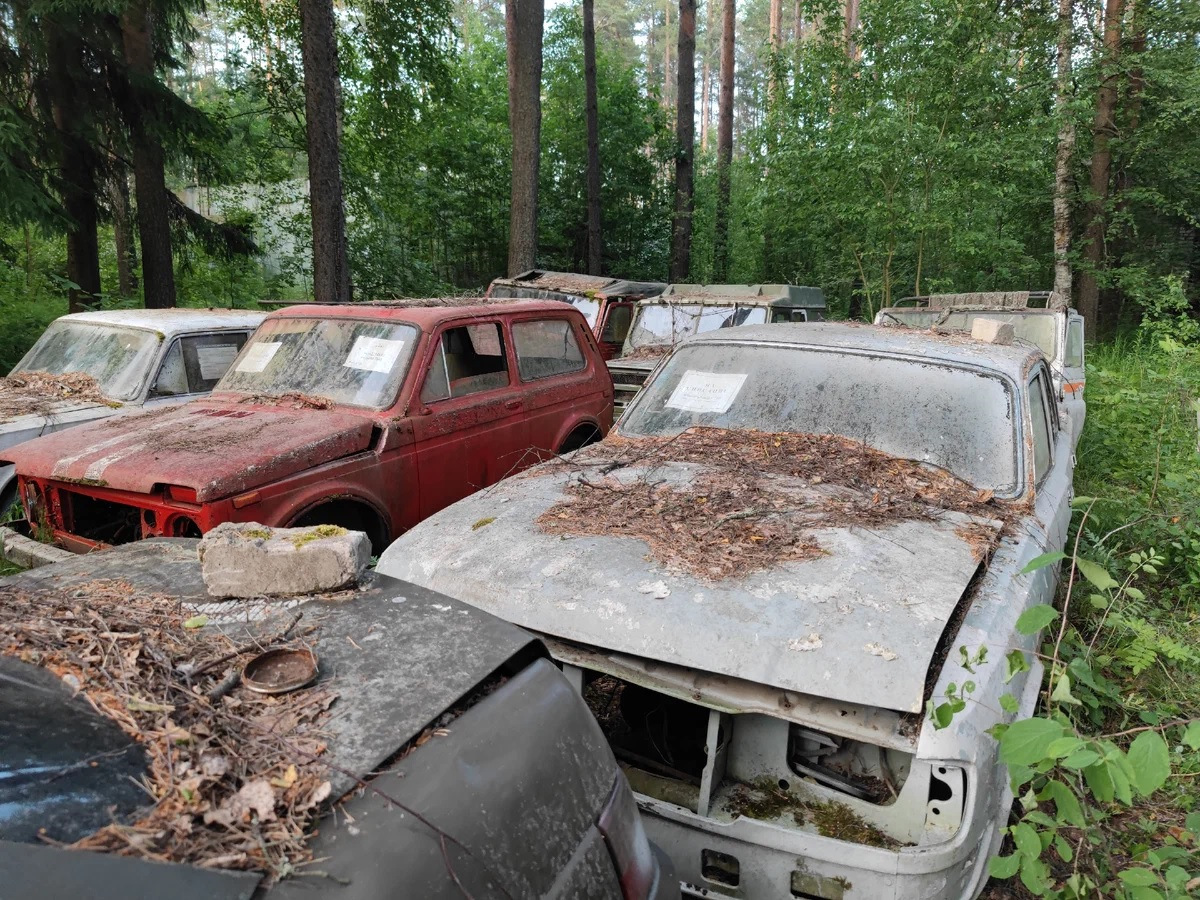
(482, 522)
(836, 820)
(252, 533)
(764, 799)
(316, 534)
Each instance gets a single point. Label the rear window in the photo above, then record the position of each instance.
(1074, 356)
(546, 348)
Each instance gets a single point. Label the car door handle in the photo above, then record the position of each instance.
(512, 404)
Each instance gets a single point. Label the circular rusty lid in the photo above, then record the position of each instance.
(280, 671)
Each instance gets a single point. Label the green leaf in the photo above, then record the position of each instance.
(1096, 574)
(1066, 803)
(1120, 782)
(1062, 691)
(1151, 762)
(1144, 893)
(1081, 759)
(1040, 562)
(1014, 663)
(196, 622)
(1191, 737)
(1026, 840)
(1138, 877)
(1065, 853)
(1099, 781)
(1004, 866)
(1063, 746)
(1078, 502)
(1035, 875)
(1025, 742)
(1008, 703)
(1036, 618)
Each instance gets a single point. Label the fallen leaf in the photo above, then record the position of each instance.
(287, 779)
(196, 622)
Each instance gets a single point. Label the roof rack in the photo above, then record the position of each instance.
(789, 295)
(987, 300)
(542, 284)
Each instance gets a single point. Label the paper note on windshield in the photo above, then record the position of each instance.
(258, 356)
(215, 361)
(373, 354)
(705, 392)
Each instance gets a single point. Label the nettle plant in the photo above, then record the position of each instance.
(1079, 833)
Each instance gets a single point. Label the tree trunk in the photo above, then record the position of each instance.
(1103, 127)
(1064, 152)
(594, 245)
(118, 194)
(685, 134)
(523, 27)
(706, 77)
(149, 175)
(318, 47)
(724, 145)
(852, 51)
(64, 53)
(666, 90)
(775, 25)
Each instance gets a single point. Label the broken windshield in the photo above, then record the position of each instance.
(1037, 328)
(355, 362)
(669, 323)
(953, 418)
(117, 357)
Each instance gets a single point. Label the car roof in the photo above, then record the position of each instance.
(1011, 359)
(423, 312)
(171, 321)
(786, 295)
(576, 284)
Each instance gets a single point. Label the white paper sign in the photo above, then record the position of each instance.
(373, 354)
(705, 391)
(215, 360)
(258, 355)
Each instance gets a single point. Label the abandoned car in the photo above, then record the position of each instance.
(371, 417)
(1040, 317)
(683, 310)
(794, 541)
(439, 752)
(91, 365)
(606, 303)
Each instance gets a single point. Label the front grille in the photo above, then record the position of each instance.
(100, 520)
(637, 379)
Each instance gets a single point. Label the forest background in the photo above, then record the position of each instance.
(154, 152)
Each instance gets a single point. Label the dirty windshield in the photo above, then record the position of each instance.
(953, 418)
(669, 323)
(118, 358)
(588, 307)
(359, 363)
(1037, 328)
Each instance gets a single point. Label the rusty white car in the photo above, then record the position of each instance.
(1042, 318)
(129, 359)
(799, 551)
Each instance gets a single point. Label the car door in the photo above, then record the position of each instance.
(469, 418)
(614, 328)
(558, 380)
(1053, 466)
(192, 366)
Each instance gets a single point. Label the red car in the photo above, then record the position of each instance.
(366, 416)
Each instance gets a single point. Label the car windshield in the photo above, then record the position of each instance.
(669, 323)
(952, 418)
(117, 357)
(350, 361)
(589, 307)
(1036, 328)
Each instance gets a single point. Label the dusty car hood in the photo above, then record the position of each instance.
(217, 449)
(14, 429)
(859, 623)
(641, 364)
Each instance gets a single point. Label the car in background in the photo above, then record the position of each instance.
(130, 359)
(445, 718)
(1042, 318)
(797, 544)
(366, 416)
(684, 310)
(606, 303)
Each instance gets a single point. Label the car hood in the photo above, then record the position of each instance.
(640, 364)
(217, 449)
(19, 427)
(860, 623)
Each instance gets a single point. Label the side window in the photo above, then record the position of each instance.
(468, 360)
(546, 348)
(620, 317)
(194, 364)
(1074, 355)
(1039, 408)
(788, 315)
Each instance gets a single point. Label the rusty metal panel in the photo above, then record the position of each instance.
(216, 449)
